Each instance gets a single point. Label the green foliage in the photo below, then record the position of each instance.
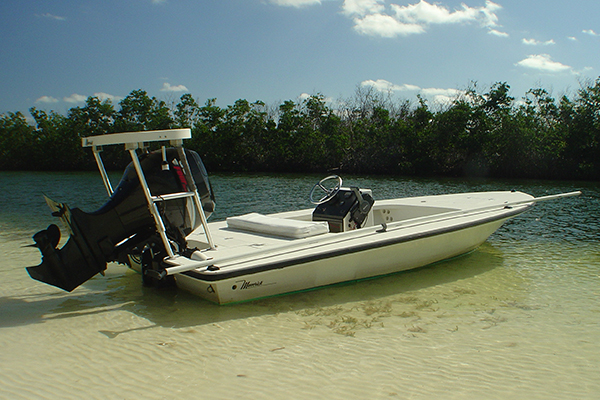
(477, 134)
(582, 131)
(54, 137)
(140, 112)
(16, 141)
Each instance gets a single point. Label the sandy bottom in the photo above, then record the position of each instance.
(508, 321)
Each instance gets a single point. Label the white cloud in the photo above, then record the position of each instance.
(75, 98)
(167, 87)
(534, 42)
(489, 17)
(590, 32)
(443, 99)
(362, 7)
(305, 96)
(542, 62)
(385, 86)
(441, 92)
(437, 95)
(105, 96)
(47, 100)
(295, 3)
(371, 17)
(426, 13)
(498, 33)
(79, 98)
(54, 17)
(385, 26)
(442, 95)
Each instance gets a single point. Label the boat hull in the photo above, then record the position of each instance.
(384, 256)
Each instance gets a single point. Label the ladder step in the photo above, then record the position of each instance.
(172, 196)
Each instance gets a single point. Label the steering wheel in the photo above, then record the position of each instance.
(329, 192)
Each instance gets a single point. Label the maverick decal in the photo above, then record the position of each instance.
(244, 284)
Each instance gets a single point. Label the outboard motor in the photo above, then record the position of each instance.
(124, 225)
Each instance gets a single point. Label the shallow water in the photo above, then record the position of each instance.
(517, 318)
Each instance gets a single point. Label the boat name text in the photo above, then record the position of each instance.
(244, 284)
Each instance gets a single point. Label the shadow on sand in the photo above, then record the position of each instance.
(122, 290)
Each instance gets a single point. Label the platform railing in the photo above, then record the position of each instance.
(136, 140)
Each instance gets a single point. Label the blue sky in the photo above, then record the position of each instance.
(54, 54)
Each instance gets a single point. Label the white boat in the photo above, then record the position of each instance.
(156, 222)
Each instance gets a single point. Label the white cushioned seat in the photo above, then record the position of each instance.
(289, 228)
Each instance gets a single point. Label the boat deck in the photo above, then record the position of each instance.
(401, 217)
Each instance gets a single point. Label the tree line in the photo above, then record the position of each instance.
(486, 134)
